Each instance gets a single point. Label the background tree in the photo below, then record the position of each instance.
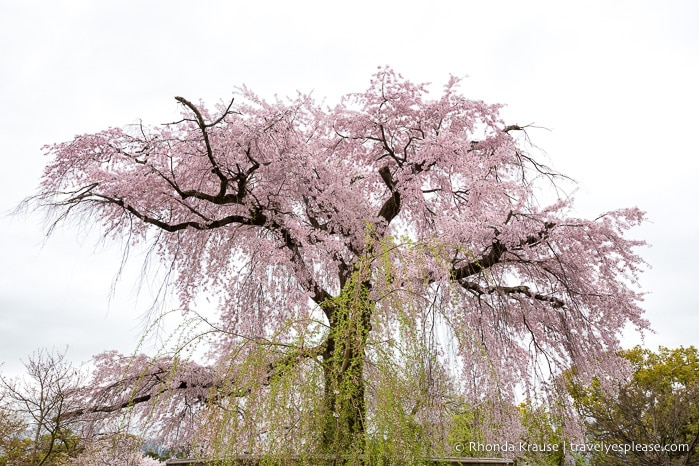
(11, 429)
(658, 406)
(540, 440)
(543, 428)
(329, 237)
(40, 400)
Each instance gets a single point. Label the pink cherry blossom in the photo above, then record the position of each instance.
(396, 240)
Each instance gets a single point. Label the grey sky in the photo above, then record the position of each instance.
(614, 82)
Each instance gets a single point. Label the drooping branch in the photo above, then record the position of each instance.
(494, 256)
(320, 296)
(257, 218)
(509, 128)
(486, 261)
(496, 251)
(511, 290)
(150, 386)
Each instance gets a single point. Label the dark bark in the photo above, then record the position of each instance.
(344, 408)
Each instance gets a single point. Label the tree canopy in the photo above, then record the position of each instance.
(659, 405)
(373, 264)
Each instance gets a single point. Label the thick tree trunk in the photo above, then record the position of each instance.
(344, 408)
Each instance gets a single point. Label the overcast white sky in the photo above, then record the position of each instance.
(615, 82)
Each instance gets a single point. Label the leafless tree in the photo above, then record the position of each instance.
(40, 398)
